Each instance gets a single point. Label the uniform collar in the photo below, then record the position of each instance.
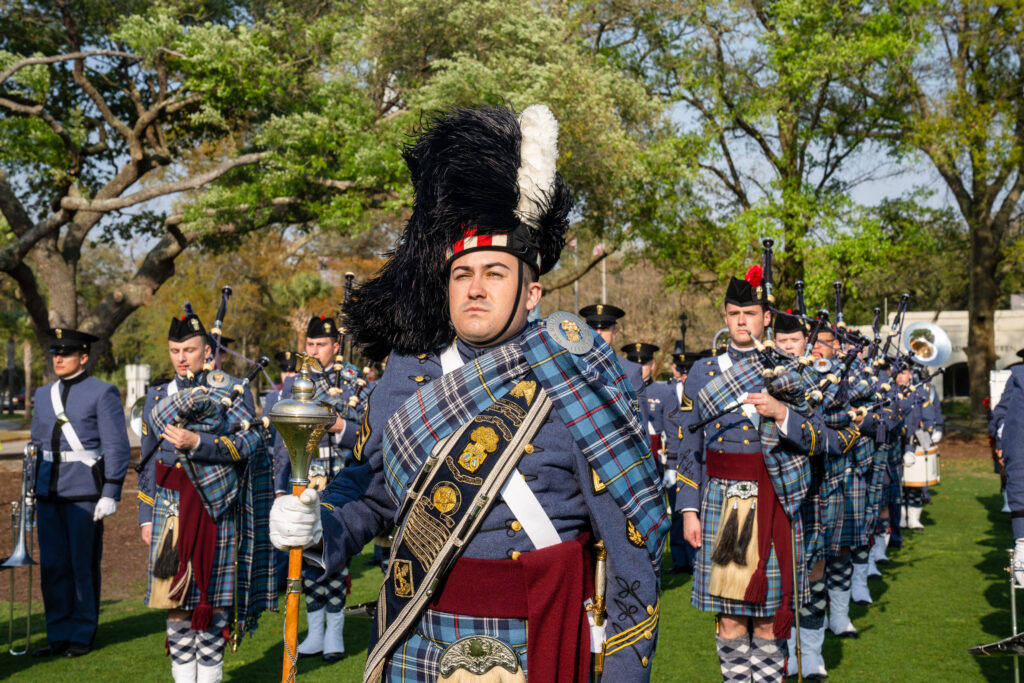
(469, 352)
(739, 354)
(74, 379)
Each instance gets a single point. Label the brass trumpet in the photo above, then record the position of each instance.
(21, 556)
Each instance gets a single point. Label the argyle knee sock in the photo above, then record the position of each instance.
(335, 591)
(316, 593)
(812, 613)
(859, 555)
(838, 573)
(767, 660)
(734, 658)
(181, 646)
(210, 649)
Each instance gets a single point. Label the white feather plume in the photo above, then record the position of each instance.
(538, 155)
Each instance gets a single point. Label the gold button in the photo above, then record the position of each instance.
(746, 441)
(644, 661)
(650, 610)
(515, 554)
(516, 526)
(719, 438)
(746, 427)
(718, 425)
(710, 374)
(803, 425)
(418, 378)
(528, 448)
(648, 635)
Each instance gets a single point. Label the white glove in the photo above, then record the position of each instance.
(669, 480)
(295, 521)
(937, 436)
(104, 508)
(909, 459)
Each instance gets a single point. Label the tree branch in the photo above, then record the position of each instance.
(154, 191)
(53, 59)
(573, 278)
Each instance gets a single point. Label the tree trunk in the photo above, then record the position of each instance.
(983, 297)
(27, 360)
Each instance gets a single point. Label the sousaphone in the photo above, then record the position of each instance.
(928, 343)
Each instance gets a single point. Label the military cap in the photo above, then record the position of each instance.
(786, 322)
(745, 292)
(64, 340)
(640, 352)
(321, 326)
(186, 327)
(601, 316)
(286, 360)
(679, 355)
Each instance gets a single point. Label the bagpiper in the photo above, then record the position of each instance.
(749, 452)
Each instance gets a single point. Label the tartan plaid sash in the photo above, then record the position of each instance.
(591, 395)
(225, 488)
(790, 475)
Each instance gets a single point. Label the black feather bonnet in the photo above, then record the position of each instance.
(483, 178)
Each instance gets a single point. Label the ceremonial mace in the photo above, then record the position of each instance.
(301, 421)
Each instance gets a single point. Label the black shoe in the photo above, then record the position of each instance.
(332, 657)
(681, 570)
(52, 650)
(77, 650)
(305, 655)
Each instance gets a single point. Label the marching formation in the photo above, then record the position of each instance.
(499, 453)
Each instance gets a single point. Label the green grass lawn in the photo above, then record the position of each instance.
(944, 592)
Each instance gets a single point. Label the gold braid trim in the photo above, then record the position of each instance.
(230, 446)
(631, 635)
(148, 500)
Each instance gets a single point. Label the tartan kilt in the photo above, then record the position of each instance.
(711, 511)
(855, 531)
(222, 579)
(416, 659)
(811, 511)
(834, 516)
(891, 492)
(873, 500)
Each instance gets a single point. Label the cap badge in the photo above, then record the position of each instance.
(327, 327)
(600, 309)
(59, 333)
(195, 324)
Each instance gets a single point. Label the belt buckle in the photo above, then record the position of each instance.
(479, 655)
(741, 490)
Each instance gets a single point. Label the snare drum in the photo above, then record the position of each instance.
(933, 465)
(924, 471)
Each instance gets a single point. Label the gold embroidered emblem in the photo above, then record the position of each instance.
(445, 498)
(483, 442)
(402, 575)
(598, 484)
(363, 435)
(525, 390)
(60, 333)
(633, 535)
(600, 309)
(572, 331)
